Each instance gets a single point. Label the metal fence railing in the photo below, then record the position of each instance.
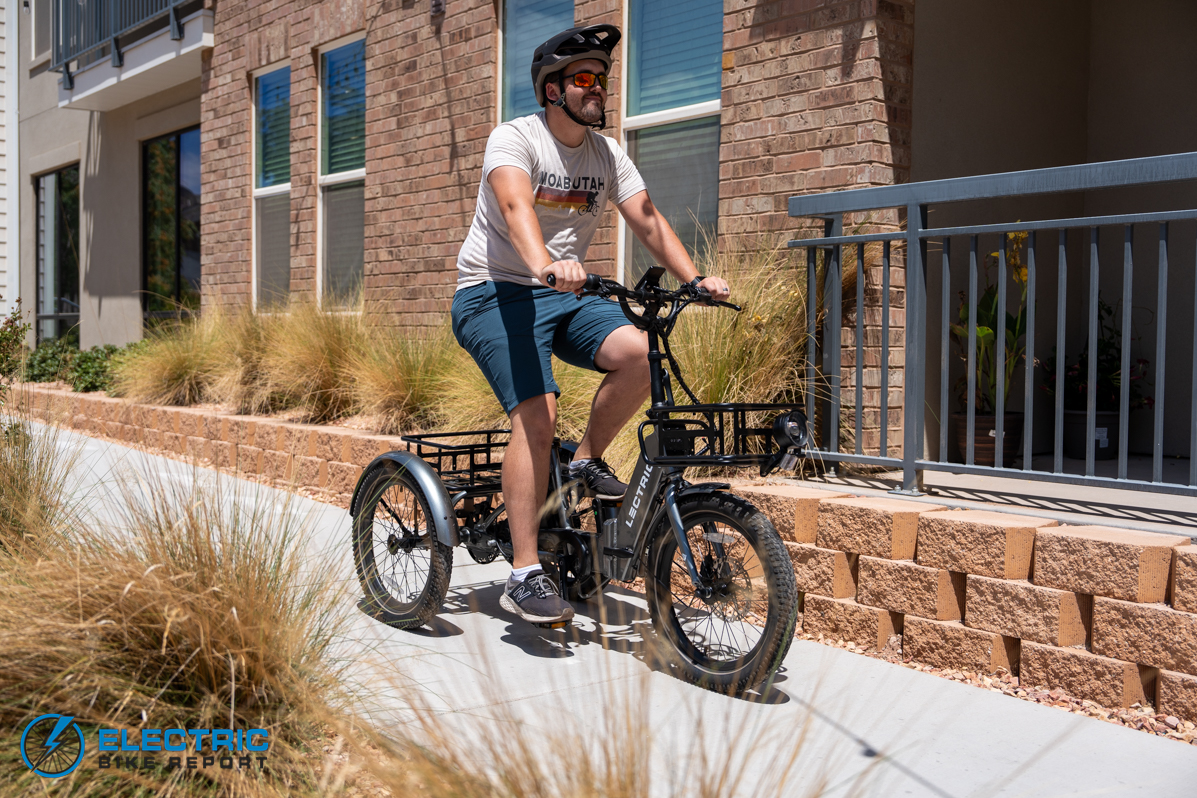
(81, 29)
(992, 326)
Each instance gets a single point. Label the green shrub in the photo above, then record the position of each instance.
(92, 370)
(12, 341)
(52, 360)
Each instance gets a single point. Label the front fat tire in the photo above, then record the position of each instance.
(699, 643)
(404, 588)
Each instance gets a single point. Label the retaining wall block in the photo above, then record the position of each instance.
(363, 450)
(874, 527)
(1151, 634)
(297, 440)
(174, 442)
(1020, 609)
(823, 571)
(191, 423)
(249, 459)
(239, 430)
(903, 586)
(794, 511)
(224, 454)
(1176, 694)
(1110, 682)
(951, 644)
(1117, 563)
(211, 425)
(978, 542)
(844, 619)
(311, 472)
(332, 444)
(343, 477)
(277, 465)
(168, 420)
(152, 438)
(268, 436)
(197, 447)
(113, 429)
(1184, 578)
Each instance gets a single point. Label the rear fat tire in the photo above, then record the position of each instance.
(701, 645)
(404, 588)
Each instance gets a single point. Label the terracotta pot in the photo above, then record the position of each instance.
(984, 437)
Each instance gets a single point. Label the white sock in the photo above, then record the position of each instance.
(577, 464)
(520, 574)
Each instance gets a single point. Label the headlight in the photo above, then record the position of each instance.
(789, 430)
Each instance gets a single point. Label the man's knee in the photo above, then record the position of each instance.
(535, 420)
(625, 348)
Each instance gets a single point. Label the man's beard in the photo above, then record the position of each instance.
(589, 112)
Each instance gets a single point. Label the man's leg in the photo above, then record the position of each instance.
(526, 473)
(624, 356)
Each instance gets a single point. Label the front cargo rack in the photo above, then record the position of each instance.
(465, 461)
(719, 435)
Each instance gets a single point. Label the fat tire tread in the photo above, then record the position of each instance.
(438, 577)
(783, 594)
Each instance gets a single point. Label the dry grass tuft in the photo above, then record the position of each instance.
(398, 378)
(199, 613)
(35, 490)
(176, 365)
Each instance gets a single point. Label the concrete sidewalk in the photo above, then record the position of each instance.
(853, 724)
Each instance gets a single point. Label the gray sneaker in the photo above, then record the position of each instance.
(535, 600)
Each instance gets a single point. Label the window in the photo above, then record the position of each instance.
(58, 254)
(41, 29)
(671, 125)
(170, 192)
(343, 172)
(272, 187)
(526, 24)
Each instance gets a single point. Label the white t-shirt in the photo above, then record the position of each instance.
(570, 185)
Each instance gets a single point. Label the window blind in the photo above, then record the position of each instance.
(274, 250)
(675, 50)
(527, 24)
(343, 117)
(680, 166)
(344, 237)
(273, 145)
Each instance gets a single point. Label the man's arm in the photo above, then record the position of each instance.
(662, 243)
(513, 190)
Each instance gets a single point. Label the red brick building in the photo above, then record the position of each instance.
(786, 97)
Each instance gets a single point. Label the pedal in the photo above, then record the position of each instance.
(557, 625)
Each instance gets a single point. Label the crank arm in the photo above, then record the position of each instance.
(683, 543)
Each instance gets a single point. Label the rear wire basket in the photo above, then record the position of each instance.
(728, 435)
(465, 461)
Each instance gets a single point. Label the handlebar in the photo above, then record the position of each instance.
(597, 285)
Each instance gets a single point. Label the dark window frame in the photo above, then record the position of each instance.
(179, 312)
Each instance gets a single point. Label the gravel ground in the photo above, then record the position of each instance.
(1136, 717)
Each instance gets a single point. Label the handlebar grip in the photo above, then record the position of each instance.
(593, 282)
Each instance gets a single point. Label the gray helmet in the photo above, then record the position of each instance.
(575, 44)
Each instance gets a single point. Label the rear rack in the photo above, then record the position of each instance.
(464, 461)
(730, 435)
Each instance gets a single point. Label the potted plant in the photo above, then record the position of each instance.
(1107, 391)
(991, 322)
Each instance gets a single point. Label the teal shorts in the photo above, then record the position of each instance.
(512, 330)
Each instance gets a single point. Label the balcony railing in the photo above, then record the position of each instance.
(982, 364)
(83, 30)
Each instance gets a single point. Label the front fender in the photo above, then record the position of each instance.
(439, 505)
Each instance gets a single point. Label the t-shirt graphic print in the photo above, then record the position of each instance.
(571, 187)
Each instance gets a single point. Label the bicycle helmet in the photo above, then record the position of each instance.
(575, 44)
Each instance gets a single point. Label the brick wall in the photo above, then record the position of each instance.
(816, 97)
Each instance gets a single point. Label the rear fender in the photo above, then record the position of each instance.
(439, 505)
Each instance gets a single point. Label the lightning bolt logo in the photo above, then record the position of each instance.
(58, 752)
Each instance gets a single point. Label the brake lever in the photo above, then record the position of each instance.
(704, 297)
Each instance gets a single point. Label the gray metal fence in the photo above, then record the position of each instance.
(1032, 247)
(81, 29)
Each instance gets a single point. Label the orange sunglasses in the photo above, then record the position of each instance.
(585, 80)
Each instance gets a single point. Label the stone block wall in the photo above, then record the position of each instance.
(1105, 614)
